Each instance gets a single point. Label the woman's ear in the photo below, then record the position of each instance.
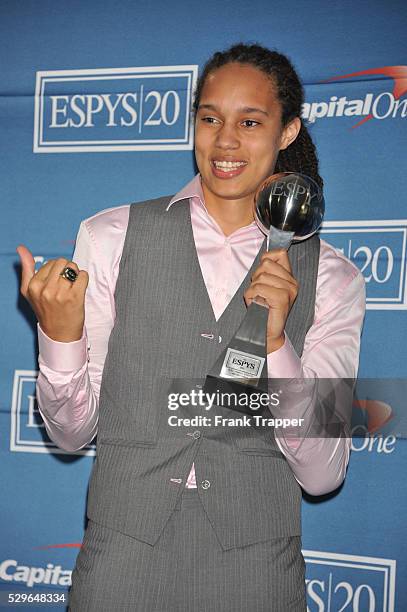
(290, 133)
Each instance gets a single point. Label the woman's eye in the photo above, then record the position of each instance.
(250, 123)
(209, 119)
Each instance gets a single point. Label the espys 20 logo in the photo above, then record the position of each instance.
(378, 249)
(27, 429)
(338, 582)
(114, 109)
(373, 105)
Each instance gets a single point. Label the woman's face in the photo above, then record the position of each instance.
(238, 133)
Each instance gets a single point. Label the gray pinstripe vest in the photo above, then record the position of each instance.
(162, 308)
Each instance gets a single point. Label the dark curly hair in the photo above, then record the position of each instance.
(300, 155)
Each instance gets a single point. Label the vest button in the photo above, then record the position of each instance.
(205, 484)
(208, 336)
(196, 435)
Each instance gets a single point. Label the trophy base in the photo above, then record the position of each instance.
(240, 372)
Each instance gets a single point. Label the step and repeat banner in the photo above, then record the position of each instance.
(95, 112)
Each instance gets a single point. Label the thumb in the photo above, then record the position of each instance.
(28, 267)
(279, 256)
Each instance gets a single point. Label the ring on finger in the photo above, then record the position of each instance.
(69, 273)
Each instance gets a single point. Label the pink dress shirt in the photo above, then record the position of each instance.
(70, 373)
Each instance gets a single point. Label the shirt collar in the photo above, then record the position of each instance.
(192, 190)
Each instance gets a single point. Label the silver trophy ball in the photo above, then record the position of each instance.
(288, 206)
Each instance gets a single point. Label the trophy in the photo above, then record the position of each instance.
(288, 207)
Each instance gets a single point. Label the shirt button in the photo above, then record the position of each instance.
(205, 484)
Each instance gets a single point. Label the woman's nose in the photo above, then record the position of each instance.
(227, 138)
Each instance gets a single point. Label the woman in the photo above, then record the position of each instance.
(180, 518)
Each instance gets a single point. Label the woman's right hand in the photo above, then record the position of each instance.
(58, 303)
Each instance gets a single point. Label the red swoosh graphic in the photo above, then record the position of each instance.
(71, 545)
(397, 73)
(378, 413)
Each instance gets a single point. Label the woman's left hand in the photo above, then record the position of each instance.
(273, 281)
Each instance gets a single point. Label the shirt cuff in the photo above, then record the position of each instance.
(62, 356)
(284, 362)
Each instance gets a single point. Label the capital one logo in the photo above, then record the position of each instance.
(11, 571)
(349, 582)
(27, 429)
(379, 105)
(114, 109)
(367, 436)
(378, 249)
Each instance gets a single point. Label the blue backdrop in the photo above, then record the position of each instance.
(94, 112)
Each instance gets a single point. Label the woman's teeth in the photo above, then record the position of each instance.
(228, 166)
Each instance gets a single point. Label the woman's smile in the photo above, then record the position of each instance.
(227, 168)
